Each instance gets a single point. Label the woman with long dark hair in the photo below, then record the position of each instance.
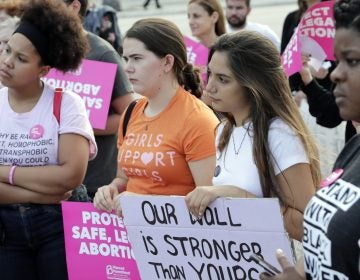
(263, 146)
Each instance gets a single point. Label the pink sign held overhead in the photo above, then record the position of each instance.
(291, 58)
(313, 36)
(97, 244)
(197, 54)
(317, 24)
(93, 81)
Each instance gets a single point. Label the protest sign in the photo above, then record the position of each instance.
(197, 54)
(97, 245)
(314, 36)
(291, 58)
(317, 25)
(93, 81)
(170, 244)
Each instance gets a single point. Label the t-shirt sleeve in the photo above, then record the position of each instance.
(286, 147)
(199, 131)
(74, 119)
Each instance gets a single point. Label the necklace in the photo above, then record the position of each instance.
(237, 150)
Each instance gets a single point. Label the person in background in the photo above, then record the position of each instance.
(291, 21)
(169, 147)
(115, 4)
(336, 254)
(147, 2)
(237, 12)
(102, 170)
(103, 21)
(10, 8)
(263, 147)
(206, 20)
(7, 28)
(321, 102)
(207, 23)
(44, 154)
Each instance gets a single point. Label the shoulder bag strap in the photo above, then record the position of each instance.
(127, 116)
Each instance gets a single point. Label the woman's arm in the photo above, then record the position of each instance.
(203, 170)
(297, 187)
(55, 179)
(13, 194)
(321, 102)
(106, 196)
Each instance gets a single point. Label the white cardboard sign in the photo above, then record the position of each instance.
(169, 243)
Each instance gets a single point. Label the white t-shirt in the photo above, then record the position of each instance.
(262, 29)
(31, 138)
(236, 165)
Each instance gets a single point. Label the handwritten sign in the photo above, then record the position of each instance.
(94, 82)
(97, 244)
(314, 35)
(197, 54)
(170, 244)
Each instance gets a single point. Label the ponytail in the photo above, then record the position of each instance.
(190, 80)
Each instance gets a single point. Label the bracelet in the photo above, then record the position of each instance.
(11, 174)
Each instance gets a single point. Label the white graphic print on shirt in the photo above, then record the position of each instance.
(340, 196)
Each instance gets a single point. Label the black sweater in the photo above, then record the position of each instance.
(322, 106)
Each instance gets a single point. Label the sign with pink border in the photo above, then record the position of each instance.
(197, 54)
(97, 244)
(93, 81)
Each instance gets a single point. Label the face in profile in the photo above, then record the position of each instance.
(223, 89)
(200, 22)
(144, 69)
(20, 63)
(347, 72)
(236, 13)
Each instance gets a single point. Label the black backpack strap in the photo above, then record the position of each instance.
(128, 112)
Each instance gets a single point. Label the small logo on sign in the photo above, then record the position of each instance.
(114, 272)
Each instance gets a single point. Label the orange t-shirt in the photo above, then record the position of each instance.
(156, 150)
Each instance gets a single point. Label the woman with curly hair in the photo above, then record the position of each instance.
(45, 145)
(332, 217)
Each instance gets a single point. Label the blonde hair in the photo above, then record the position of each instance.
(10, 23)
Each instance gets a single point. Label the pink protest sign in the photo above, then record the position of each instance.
(317, 24)
(97, 245)
(197, 54)
(93, 81)
(291, 58)
(314, 35)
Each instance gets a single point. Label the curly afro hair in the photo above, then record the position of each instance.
(67, 43)
(347, 14)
